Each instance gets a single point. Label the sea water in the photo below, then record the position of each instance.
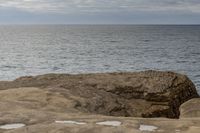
(38, 49)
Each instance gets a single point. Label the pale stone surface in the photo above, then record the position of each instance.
(12, 126)
(70, 122)
(190, 108)
(149, 128)
(109, 123)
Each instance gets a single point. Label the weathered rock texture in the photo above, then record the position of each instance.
(39, 109)
(190, 109)
(139, 94)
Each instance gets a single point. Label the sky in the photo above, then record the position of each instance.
(99, 11)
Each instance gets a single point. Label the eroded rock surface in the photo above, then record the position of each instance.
(190, 109)
(138, 94)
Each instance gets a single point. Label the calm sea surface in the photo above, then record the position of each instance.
(32, 50)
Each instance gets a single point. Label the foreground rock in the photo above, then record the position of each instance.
(190, 109)
(36, 110)
(139, 94)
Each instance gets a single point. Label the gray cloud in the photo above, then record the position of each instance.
(100, 11)
(93, 6)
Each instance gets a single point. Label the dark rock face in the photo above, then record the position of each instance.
(138, 94)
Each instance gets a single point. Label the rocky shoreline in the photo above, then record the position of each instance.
(98, 103)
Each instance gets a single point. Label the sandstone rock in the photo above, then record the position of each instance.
(57, 103)
(190, 109)
(138, 94)
(41, 110)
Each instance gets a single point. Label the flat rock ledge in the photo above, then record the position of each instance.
(138, 94)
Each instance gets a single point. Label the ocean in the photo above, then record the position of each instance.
(38, 49)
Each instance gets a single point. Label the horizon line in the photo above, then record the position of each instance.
(4, 24)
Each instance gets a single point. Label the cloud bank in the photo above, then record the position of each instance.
(92, 6)
(100, 11)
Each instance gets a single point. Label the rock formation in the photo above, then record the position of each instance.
(137, 94)
(190, 109)
(38, 110)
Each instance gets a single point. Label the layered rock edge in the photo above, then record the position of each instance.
(132, 94)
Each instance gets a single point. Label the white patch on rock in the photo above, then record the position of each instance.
(70, 122)
(147, 128)
(12, 126)
(110, 123)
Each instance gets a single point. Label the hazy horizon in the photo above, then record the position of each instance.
(95, 24)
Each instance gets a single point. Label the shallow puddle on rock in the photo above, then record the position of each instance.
(12, 126)
(109, 123)
(70, 122)
(147, 128)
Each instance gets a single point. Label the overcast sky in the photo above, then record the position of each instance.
(100, 11)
